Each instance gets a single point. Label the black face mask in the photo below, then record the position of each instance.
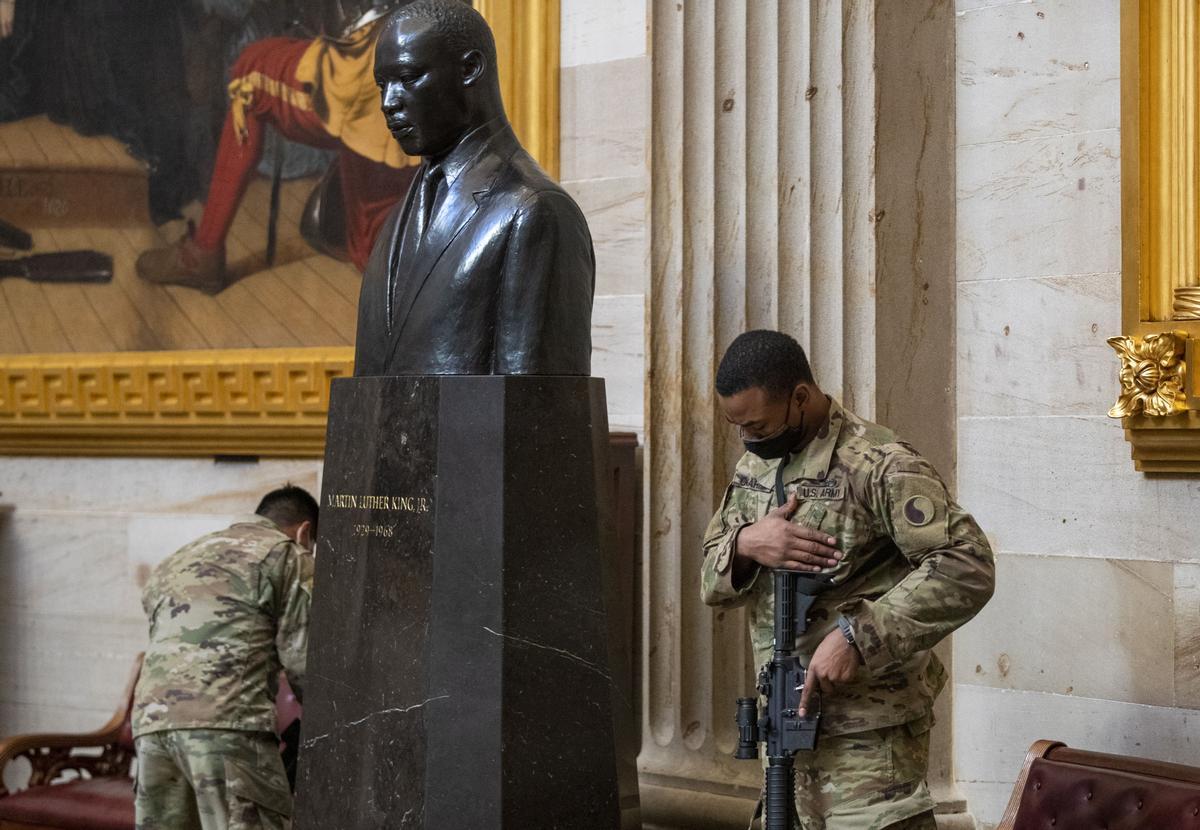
(778, 445)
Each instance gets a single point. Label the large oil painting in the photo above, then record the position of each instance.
(199, 183)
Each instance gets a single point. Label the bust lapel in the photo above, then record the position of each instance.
(462, 200)
(401, 247)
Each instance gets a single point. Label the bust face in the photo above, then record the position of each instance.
(423, 87)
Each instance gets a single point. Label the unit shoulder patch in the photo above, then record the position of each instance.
(919, 510)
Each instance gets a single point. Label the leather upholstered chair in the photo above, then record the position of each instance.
(77, 781)
(1061, 788)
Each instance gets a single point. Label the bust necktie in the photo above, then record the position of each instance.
(430, 184)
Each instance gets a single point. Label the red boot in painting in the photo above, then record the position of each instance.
(185, 263)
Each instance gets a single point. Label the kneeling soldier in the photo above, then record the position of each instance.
(227, 612)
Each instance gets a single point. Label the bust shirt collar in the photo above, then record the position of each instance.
(468, 149)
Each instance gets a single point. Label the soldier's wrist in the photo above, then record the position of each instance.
(846, 627)
(738, 547)
(743, 572)
(743, 568)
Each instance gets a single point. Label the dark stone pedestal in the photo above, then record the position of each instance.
(459, 662)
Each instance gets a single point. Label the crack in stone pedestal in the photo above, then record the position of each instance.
(399, 710)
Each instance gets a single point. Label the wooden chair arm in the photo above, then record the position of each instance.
(17, 745)
(1039, 750)
(51, 753)
(51, 757)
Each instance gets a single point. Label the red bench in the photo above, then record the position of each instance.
(1061, 788)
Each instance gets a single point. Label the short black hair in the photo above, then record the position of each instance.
(457, 22)
(764, 358)
(289, 506)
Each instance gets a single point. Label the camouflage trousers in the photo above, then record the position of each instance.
(871, 780)
(211, 779)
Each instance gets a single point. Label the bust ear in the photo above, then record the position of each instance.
(473, 66)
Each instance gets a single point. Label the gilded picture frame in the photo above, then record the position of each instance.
(246, 401)
(1159, 401)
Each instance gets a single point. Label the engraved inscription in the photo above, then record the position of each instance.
(382, 531)
(400, 504)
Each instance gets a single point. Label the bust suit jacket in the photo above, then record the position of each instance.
(500, 283)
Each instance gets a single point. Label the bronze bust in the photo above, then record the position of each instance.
(487, 266)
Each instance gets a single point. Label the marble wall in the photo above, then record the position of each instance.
(77, 539)
(1093, 636)
(605, 166)
(77, 535)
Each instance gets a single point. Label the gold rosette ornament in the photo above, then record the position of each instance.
(1152, 373)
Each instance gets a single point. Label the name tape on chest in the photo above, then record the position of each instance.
(750, 483)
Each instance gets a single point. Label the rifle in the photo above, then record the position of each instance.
(64, 266)
(13, 237)
(777, 722)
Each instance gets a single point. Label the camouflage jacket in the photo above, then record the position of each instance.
(916, 565)
(226, 613)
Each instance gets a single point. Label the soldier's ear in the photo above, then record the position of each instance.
(801, 394)
(304, 535)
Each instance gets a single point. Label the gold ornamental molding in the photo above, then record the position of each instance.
(1159, 402)
(1152, 374)
(528, 47)
(1165, 445)
(249, 402)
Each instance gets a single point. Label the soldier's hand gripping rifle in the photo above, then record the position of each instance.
(778, 723)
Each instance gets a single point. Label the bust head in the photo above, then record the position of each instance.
(435, 65)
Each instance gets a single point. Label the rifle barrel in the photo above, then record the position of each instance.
(779, 804)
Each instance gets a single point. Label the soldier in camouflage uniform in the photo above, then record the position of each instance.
(907, 567)
(226, 613)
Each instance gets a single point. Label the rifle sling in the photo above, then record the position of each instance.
(780, 492)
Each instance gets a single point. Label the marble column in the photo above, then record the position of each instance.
(802, 179)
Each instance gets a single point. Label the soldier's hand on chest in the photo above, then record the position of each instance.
(774, 541)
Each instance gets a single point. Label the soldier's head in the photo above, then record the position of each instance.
(435, 65)
(766, 389)
(294, 511)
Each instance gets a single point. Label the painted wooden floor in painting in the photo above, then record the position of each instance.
(304, 300)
